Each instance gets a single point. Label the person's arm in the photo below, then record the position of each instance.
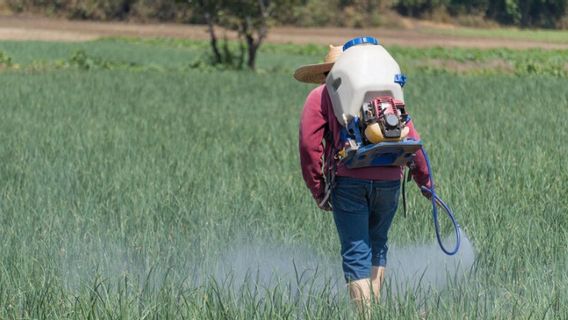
(419, 171)
(312, 129)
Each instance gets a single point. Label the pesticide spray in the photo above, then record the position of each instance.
(302, 273)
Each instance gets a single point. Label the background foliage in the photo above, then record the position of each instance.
(354, 13)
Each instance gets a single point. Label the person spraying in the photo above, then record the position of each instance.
(355, 138)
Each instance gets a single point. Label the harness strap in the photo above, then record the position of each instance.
(329, 168)
(404, 179)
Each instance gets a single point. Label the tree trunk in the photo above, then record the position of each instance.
(216, 53)
(252, 48)
(261, 30)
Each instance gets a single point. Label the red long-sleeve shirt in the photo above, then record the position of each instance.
(318, 121)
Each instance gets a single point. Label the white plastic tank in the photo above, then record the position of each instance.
(364, 70)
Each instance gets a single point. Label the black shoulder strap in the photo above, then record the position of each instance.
(404, 180)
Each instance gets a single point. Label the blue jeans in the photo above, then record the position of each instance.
(363, 211)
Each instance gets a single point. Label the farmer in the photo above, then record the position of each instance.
(364, 200)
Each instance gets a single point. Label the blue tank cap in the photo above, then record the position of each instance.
(358, 41)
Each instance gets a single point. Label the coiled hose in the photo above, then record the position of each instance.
(435, 202)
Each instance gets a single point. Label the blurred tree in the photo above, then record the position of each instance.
(420, 8)
(528, 13)
(251, 20)
(504, 11)
(541, 13)
(208, 10)
(361, 13)
(313, 13)
(523, 13)
(475, 7)
(167, 10)
(162, 10)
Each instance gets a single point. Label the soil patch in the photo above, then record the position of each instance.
(47, 29)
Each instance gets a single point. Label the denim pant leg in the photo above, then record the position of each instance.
(383, 205)
(351, 215)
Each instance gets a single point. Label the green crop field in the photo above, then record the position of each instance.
(135, 182)
(551, 36)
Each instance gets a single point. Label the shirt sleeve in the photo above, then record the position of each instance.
(420, 170)
(312, 129)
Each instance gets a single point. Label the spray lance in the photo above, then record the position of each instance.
(365, 87)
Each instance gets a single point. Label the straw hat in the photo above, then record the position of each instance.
(314, 73)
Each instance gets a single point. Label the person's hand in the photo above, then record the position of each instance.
(323, 203)
(326, 206)
(425, 192)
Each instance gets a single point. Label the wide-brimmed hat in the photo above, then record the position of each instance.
(315, 73)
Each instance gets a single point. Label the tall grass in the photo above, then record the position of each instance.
(123, 193)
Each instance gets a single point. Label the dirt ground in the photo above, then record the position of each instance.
(46, 29)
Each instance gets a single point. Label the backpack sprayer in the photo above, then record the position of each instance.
(365, 87)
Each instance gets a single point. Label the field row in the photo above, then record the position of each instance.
(182, 55)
